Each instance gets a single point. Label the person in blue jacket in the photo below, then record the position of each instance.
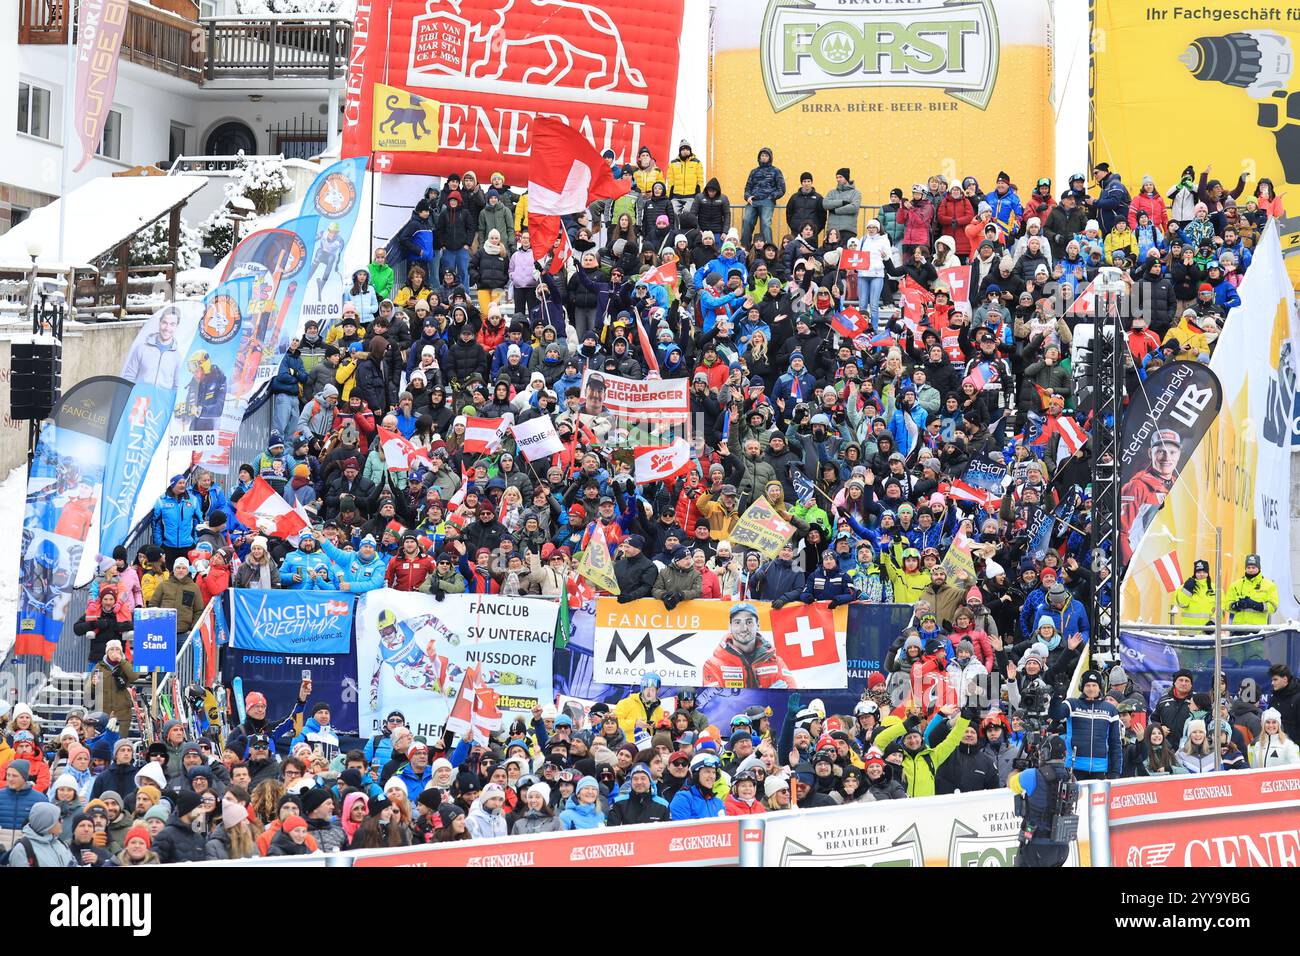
(698, 801)
(319, 719)
(17, 797)
(795, 386)
(379, 749)
(722, 266)
(308, 568)
(416, 772)
(1092, 733)
(582, 812)
(289, 378)
(1225, 293)
(1069, 616)
(360, 571)
(1112, 204)
(828, 583)
(175, 516)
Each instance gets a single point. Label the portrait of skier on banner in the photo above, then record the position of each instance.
(410, 647)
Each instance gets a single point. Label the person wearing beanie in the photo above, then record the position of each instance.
(1174, 709)
(291, 839)
(1197, 752)
(841, 204)
(1093, 734)
(39, 843)
(1273, 748)
(137, 849)
(486, 817)
(178, 842)
(536, 815)
(179, 592)
(583, 810)
(1252, 597)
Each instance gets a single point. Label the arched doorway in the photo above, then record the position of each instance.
(229, 138)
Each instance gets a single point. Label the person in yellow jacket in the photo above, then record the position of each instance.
(647, 172)
(521, 212)
(346, 375)
(721, 515)
(1195, 599)
(1252, 597)
(1120, 237)
(685, 177)
(903, 565)
(642, 708)
(921, 763)
(1193, 345)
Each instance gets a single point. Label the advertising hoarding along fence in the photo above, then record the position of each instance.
(698, 843)
(413, 650)
(1238, 818)
(607, 69)
(940, 75)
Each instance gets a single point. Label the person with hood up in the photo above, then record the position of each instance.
(713, 209)
(40, 845)
(455, 230)
(763, 187)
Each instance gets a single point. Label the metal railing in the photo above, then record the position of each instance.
(153, 38)
(22, 678)
(271, 47)
(780, 229)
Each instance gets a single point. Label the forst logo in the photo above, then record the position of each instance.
(810, 45)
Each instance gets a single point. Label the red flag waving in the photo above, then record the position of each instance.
(566, 174)
(262, 502)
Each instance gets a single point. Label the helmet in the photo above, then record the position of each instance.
(96, 717)
(866, 707)
(741, 720)
(744, 775)
(686, 693)
(386, 619)
(47, 555)
(198, 355)
(701, 760)
(650, 678)
(911, 553)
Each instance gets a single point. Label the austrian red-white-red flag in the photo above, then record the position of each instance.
(399, 453)
(565, 175)
(1073, 437)
(263, 503)
(662, 462)
(484, 435)
(475, 714)
(1169, 571)
(961, 491)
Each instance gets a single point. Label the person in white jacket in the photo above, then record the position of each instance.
(871, 281)
(1273, 748)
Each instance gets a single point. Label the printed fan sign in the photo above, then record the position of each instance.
(705, 644)
(537, 438)
(154, 640)
(762, 529)
(665, 401)
(290, 622)
(601, 67)
(413, 652)
(394, 109)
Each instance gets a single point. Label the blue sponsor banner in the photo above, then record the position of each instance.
(1151, 660)
(291, 622)
(984, 475)
(154, 640)
(278, 676)
(870, 631)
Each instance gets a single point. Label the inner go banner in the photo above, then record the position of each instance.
(962, 87)
(700, 644)
(413, 651)
(607, 69)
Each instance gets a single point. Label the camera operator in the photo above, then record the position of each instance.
(1093, 733)
(1033, 698)
(1045, 802)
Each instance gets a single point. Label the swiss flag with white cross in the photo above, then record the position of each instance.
(803, 635)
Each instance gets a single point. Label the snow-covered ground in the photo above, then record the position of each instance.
(13, 494)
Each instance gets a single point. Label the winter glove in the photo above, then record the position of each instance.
(1237, 605)
(1190, 585)
(778, 604)
(1252, 605)
(671, 601)
(439, 594)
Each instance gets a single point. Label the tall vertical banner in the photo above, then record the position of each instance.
(1239, 477)
(100, 25)
(1235, 59)
(413, 652)
(607, 69)
(940, 75)
(64, 487)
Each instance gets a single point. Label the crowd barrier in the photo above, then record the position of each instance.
(1235, 818)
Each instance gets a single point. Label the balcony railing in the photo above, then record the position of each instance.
(153, 38)
(267, 48)
(262, 48)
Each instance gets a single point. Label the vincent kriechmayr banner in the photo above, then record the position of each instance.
(64, 486)
(1163, 425)
(289, 622)
(1239, 476)
(278, 676)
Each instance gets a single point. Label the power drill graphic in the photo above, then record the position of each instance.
(1260, 62)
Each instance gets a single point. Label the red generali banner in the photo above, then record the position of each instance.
(99, 38)
(1238, 818)
(697, 844)
(607, 68)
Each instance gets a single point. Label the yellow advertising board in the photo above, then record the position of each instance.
(1207, 84)
(896, 93)
(403, 122)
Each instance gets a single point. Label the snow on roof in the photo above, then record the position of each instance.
(101, 215)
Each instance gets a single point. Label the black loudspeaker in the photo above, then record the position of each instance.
(35, 380)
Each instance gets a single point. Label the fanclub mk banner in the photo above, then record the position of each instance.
(726, 644)
(413, 651)
(292, 622)
(607, 69)
(1163, 425)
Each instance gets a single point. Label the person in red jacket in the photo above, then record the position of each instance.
(1141, 340)
(356, 411)
(743, 799)
(743, 659)
(410, 566)
(1040, 202)
(955, 214)
(917, 219)
(216, 578)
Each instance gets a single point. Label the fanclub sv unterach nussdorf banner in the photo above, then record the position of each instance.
(957, 88)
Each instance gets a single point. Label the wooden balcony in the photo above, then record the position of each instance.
(153, 38)
(214, 49)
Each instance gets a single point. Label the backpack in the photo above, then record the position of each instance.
(26, 844)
